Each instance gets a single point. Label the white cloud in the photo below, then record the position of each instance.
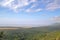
(28, 10)
(20, 4)
(37, 10)
(34, 5)
(53, 5)
(6, 3)
(16, 5)
(31, 10)
(33, 0)
(11, 4)
(56, 19)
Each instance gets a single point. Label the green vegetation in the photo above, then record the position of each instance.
(35, 33)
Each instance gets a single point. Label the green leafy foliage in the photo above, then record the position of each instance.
(38, 33)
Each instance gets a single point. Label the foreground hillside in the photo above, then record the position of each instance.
(36, 33)
(29, 35)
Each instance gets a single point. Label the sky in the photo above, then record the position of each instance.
(29, 12)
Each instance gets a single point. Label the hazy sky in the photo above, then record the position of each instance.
(29, 12)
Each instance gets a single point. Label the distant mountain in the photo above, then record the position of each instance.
(53, 27)
(56, 24)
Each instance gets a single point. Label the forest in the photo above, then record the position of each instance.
(34, 33)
